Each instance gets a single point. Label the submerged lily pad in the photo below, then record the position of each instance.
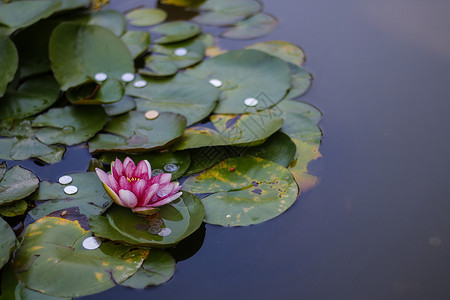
(182, 216)
(168, 162)
(90, 199)
(86, 50)
(7, 242)
(246, 190)
(16, 184)
(146, 16)
(158, 268)
(286, 51)
(238, 130)
(223, 13)
(14, 209)
(69, 125)
(186, 95)
(136, 41)
(34, 95)
(252, 28)
(53, 246)
(8, 61)
(133, 132)
(176, 31)
(246, 74)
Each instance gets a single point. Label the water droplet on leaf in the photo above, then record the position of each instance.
(128, 77)
(100, 76)
(170, 168)
(151, 114)
(65, 179)
(216, 82)
(140, 83)
(251, 101)
(165, 232)
(70, 190)
(92, 243)
(181, 52)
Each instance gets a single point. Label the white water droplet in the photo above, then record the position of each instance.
(140, 83)
(65, 179)
(181, 52)
(216, 82)
(128, 77)
(100, 76)
(156, 172)
(165, 232)
(228, 216)
(92, 243)
(170, 168)
(251, 101)
(70, 190)
(151, 114)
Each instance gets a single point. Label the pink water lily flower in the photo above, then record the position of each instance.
(134, 187)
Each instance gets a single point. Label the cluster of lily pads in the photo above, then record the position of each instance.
(226, 124)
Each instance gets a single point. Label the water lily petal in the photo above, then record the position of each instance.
(139, 188)
(117, 169)
(113, 184)
(141, 170)
(112, 194)
(165, 178)
(149, 194)
(124, 183)
(129, 168)
(149, 168)
(128, 198)
(102, 175)
(167, 200)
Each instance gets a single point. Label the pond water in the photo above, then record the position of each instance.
(377, 226)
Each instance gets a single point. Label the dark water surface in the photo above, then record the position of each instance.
(378, 225)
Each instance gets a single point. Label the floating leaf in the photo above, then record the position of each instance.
(86, 50)
(240, 130)
(158, 66)
(73, 4)
(296, 125)
(17, 183)
(14, 209)
(176, 163)
(109, 19)
(306, 153)
(186, 95)
(7, 242)
(90, 199)
(247, 190)
(109, 91)
(252, 28)
(34, 95)
(146, 16)
(136, 41)
(120, 107)
(69, 125)
(176, 31)
(289, 107)
(8, 61)
(246, 74)
(182, 216)
(133, 132)
(286, 51)
(301, 82)
(158, 268)
(53, 246)
(223, 13)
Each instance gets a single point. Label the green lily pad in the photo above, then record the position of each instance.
(182, 216)
(109, 91)
(133, 132)
(87, 50)
(300, 127)
(186, 95)
(301, 82)
(73, 4)
(120, 107)
(158, 268)
(53, 246)
(136, 41)
(7, 242)
(30, 12)
(289, 107)
(251, 28)
(286, 51)
(29, 147)
(168, 162)
(159, 68)
(239, 130)
(109, 19)
(246, 190)
(146, 17)
(34, 95)
(90, 199)
(246, 74)
(14, 209)
(223, 13)
(69, 125)
(176, 31)
(8, 61)
(17, 183)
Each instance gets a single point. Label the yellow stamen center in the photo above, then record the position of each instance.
(133, 179)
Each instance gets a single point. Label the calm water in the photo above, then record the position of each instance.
(378, 225)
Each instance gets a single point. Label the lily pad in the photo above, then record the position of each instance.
(186, 95)
(223, 13)
(109, 19)
(133, 132)
(136, 41)
(14, 209)
(286, 51)
(146, 17)
(176, 31)
(120, 107)
(168, 162)
(17, 183)
(158, 268)
(7, 242)
(159, 66)
(90, 199)
(289, 107)
(86, 50)
(53, 246)
(306, 153)
(252, 28)
(239, 130)
(246, 74)
(182, 216)
(301, 82)
(29, 147)
(109, 91)
(246, 190)
(73, 4)
(296, 125)
(34, 95)
(8, 61)
(30, 12)
(69, 125)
